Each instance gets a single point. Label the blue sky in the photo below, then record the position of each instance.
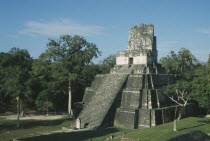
(28, 24)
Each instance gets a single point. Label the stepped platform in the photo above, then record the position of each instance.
(96, 109)
(131, 95)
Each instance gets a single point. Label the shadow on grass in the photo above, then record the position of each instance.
(203, 122)
(191, 127)
(192, 136)
(29, 124)
(72, 136)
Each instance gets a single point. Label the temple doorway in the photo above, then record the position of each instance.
(130, 61)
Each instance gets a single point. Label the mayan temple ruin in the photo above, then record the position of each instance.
(130, 95)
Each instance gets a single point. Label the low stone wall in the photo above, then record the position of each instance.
(141, 118)
(126, 118)
(152, 117)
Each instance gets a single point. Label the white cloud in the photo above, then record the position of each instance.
(205, 30)
(60, 27)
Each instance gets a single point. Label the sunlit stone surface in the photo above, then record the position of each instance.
(130, 96)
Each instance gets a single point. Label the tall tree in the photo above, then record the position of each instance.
(70, 55)
(182, 67)
(180, 94)
(15, 69)
(201, 86)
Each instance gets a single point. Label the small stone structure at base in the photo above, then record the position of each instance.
(131, 95)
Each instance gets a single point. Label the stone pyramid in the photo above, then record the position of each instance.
(130, 96)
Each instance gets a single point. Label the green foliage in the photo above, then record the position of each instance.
(71, 55)
(47, 85)
(201, 87)
(180, 65)
(66, 62)
(180, 92)
(15, 66)
(108, 63)
(44, 101)
(191, 77)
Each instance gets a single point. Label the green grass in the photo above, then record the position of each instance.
(99, 135)
(31, 129)
(165, 131)
(8, 130)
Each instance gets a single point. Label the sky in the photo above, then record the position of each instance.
(28, 24)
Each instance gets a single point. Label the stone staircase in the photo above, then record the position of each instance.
(96, 109)
(125, 69)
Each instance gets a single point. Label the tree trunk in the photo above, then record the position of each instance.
(47, 111)
(18, 112)
(22, 112)
(1, 98)
(69, 102)
(175, 122)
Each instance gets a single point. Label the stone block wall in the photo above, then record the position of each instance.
(98, 80)
(89, 93)
(126, 118)
(144, 118)
(157, 116)
(130, 99)
(97, 107)
(142, 99)
(134, 81)
(141, 36)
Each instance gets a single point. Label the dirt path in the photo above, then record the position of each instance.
(34, 117)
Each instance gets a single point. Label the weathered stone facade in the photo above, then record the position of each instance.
(141, 47)
(130, 96)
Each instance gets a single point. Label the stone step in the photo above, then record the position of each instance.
(94, 112)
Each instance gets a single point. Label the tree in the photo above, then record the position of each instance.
(179, 93)
(201, 86)
(15, 69)
(69, 56)
(46, 78)
(44, 101)
(5, 61)
(182, 67)
(108, 63)
(15, 66)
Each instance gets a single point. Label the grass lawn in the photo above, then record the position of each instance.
(8, 130)
(164, 132)
(32, 128)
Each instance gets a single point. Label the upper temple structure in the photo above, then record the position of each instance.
(130, 96)
(141, 47)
